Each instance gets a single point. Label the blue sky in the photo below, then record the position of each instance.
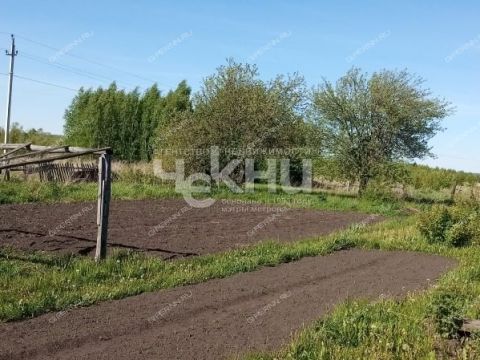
(438, 40)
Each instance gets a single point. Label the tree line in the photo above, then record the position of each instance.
(126, 121)
(18, 135)
(364, 127)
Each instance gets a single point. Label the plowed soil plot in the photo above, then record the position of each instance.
(168, 228)
(220, 318)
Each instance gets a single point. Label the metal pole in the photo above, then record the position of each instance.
(13, 52)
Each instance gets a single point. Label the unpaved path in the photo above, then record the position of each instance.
(166, 228)
(219, 318)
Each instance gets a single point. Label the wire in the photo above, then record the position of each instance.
(62, 66)
(45, 83)
(41, 82)
(71, 69)
(85, 59)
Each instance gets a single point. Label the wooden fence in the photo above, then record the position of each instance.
(63, 172)
(31, 158)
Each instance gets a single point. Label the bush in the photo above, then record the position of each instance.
(456, 226)
(446, 307)
(242, 115)
(474, 225)
(459, 234)
(433, 224)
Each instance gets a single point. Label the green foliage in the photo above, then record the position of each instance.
(459, 234)
(354, 322)
(127, 122)
(456, 226)
(379, 191)
(433, 224)
(136, 176)
(447, 307)
(242, 115)
(19, 135)
(425, 177)
(371, 122)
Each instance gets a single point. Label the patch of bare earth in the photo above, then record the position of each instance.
(167, 228)
(220, 318)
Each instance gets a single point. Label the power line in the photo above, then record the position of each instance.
(46, 83)
(72, 69)
(41, 82)
(86, 60)
(61, 66)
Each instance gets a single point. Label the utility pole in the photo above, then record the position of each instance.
(13, 52)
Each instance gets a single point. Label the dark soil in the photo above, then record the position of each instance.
(167, 228)
(254, 311)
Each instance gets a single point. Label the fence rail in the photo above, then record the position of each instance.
(39, 159)
(66, 172)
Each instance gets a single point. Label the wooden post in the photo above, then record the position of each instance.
(453, 191)
(103, 206)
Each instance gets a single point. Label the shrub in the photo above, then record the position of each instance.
(459, 234)
(457, 226)
(474, 225)
(446, 307)
(244, 116)
(433, 224)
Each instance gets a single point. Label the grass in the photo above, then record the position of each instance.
(32, 284)
(18, 192)
(15, 192)
(411, 328)
(395, 329)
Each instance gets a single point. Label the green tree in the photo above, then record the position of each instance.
(19, 135)
(368, 122)
(239, 113)
(125, 121)
(152, 105)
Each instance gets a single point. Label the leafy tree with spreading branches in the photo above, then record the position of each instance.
(369, 122)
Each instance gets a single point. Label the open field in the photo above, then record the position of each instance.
(16, 192)
(166, 228)
(177, 207)
(32, 284)
(247, 312)
(249, 296)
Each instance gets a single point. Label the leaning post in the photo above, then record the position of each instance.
(103, 203)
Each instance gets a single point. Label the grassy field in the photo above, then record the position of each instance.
(421, 326)
(32, 284)
(16, 192)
